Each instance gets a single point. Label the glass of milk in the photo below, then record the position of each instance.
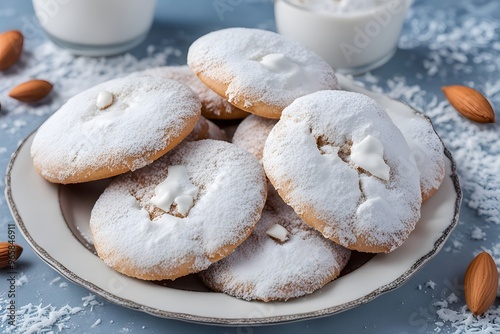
(95, 27)
(353, 36)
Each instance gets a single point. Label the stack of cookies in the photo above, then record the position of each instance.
(312, 173)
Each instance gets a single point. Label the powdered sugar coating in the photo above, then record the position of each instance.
(426, 148)
(147, 117)
(252, 133)
(261, 268)
(213, 106)
(134, 237)
(306, 157)
(232, 58)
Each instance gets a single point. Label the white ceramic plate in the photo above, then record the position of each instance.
(54, 221)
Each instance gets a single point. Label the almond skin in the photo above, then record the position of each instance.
(11, 47)
(31, 91)
(470, 103)
(481, 283)
(6, 250)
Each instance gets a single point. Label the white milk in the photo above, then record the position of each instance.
(95, 27)
(353, 36)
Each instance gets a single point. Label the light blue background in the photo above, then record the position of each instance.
(405, 310)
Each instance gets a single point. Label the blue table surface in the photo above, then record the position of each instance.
(405, 310)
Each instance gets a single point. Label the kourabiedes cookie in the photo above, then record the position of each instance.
(283, 258)
(180, 214)
(117, 126)
(258, 71)
(337, 159)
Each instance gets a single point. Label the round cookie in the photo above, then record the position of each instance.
(252, 133)
(212, 105)
(335, 157)
(426, 148)
(269, 269)
(216, 133)
(144, 225)
(88, 140)
(257, 70)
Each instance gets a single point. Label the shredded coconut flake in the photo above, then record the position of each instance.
(55, 280)
(91, 301)
(21, 280)
(96, 323)
(430, 284)
(477, 234)
(463, 321)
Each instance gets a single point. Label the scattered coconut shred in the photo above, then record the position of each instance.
(32, 318)
(449, 55)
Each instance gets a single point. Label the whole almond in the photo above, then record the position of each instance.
(470, 103)
(9, 251)
(31, 91)
(11, 47)
(481, 283)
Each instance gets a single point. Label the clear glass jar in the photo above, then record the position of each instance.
(95, 27)
(353, 36)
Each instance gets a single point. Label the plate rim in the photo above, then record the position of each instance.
(272, 320)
